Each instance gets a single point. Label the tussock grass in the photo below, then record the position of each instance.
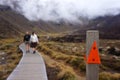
(57, 69)
(53, 54)
(12, 54)
(54, 50)
(67, 48)
(68, 76)
(71, 54)
(109, 76)
(73, 60)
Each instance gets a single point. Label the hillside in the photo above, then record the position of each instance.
(13, 24)
(108, 26)
(56, 27)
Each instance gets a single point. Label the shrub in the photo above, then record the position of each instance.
(109, 76)
(68, 76)
(116, 76)
(104, 76)
(82, 67)
(75, 62)
(8, 46)
(113, 51)
(13, 57)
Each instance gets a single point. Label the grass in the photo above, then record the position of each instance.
(68, 76)
(59, 53)
(12, 54)
(72, 60)
(71, 54)
(67, 48)
(109, 76)
(64, 60)
(57, 69)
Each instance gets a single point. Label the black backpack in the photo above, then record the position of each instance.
(26, 37)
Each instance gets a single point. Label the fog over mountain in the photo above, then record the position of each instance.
(69, 10)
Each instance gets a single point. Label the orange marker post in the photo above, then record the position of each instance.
(93, 57)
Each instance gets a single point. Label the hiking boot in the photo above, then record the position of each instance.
(34, 52)
(28, 51)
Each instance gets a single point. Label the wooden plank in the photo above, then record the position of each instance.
(92, 70)
(31, 67)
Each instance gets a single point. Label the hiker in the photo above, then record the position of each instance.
(27, 41)
(33, 42)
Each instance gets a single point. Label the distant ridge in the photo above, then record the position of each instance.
(13, 24)
(108, 26)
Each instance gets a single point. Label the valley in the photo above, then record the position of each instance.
(62, 45)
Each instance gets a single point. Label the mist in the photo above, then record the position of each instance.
(68, 10)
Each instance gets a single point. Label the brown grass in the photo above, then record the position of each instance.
(75, 62)
(57, 70)
(71, 54)
(109, 76)
(10, 47)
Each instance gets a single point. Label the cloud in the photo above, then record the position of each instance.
(70, 10)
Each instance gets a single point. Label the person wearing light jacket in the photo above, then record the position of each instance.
(34, 41)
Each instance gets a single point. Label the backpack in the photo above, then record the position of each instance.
(26, 37)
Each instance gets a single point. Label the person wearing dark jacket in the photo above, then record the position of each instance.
(27, 41)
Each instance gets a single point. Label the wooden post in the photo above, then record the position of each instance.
(92, 70)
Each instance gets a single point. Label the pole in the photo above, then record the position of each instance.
(92, 70)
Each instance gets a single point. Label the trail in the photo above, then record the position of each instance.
(31, 67)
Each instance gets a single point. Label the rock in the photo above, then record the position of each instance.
(103, 55)
(115, 57)
(100, 49)
(74, 49)
(114, 51)
(108, 47)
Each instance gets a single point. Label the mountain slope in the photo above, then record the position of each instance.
(13, 24)
(108, 26)
(7, 29)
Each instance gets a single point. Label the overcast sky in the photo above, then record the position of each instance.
(53, 10)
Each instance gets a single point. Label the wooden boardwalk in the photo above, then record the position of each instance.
(31, 67)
